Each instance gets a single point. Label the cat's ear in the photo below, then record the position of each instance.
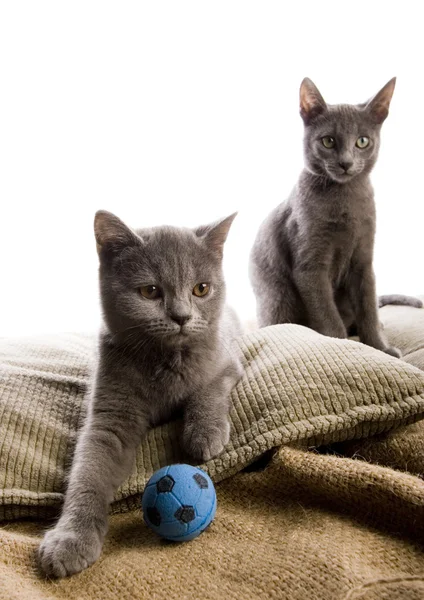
(215, 234)
(112, 233)
(378, 106)
(312, 103)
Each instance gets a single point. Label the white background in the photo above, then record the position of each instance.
(180, 113)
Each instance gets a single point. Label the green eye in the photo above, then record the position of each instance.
(328, 142)
(201, 289)
(362, 142)
(151, 292)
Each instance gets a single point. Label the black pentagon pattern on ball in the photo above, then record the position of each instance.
(165, 484)
(201, 481)
(185, 514)
(154, 516)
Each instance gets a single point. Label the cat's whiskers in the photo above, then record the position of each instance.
(117, 333)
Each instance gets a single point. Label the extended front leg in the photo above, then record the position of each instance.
(206, 422)
(104, 456)
(364, 300)
(317, 295)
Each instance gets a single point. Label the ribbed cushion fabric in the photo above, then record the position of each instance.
(297, 386)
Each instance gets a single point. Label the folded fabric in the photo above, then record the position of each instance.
(308, 527)
(404, 326)
(297, 386)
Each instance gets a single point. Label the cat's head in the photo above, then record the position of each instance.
(342, 141)
(164, 283)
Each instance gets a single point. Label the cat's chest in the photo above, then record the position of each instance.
(344, 222)
(343, 236)
(352, 239)
(339, 230)
(174, 376)
(342, 231)
(340, 214)
(170, 383)
(173, 372)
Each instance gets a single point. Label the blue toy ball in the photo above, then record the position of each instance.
(179, 502)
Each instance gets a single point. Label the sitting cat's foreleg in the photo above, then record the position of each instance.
(364, 300)
(280, 307)
(317, 294)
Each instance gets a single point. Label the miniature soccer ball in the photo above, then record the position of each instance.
(179, 502)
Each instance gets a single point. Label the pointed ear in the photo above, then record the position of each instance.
(312, 103)
(216, 233)
(378, 106)
(111, 232)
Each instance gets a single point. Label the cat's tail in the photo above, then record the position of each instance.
(399, 300)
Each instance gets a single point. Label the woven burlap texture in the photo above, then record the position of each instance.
(309, 527)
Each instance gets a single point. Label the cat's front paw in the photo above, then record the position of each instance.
(65, 551)
(203, 443)
(332, 330)
(393, 351)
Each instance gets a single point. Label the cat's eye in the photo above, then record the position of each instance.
(151, 292)
(328, 141)
(362, 142)
(201, 289)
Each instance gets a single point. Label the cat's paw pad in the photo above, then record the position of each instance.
(64, 552)
(393, 351)
(206, 444)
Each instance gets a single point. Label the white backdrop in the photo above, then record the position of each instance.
(180, 113)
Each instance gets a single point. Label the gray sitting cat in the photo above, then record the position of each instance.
(311, 262)
(164, 349)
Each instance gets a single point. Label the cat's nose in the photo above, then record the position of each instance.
(345, 164)
(180, 319)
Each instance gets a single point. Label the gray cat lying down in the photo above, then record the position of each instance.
(164, 348)
(311, 262)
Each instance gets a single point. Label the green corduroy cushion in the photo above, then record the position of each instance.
(297, 386)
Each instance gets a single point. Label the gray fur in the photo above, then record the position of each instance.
(311, 262)
(157, 358)
(399, 300)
